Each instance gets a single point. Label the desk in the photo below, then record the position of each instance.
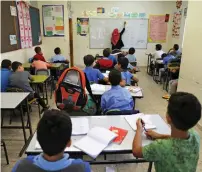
(11, 101)
(54, 65)
(40, 79)
(138, 94)
(107, 121)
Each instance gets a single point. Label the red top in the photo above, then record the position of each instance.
(40, 57)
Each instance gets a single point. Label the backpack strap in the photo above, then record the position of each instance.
(26, 164)
(91, 94)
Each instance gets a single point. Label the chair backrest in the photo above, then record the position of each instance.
(124, 112)
(42, 72)
(14, 89)
(133, 64)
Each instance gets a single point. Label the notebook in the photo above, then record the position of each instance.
(97, 139)
(134, 89)
(120, 132)
(131, 119)
(80, 126)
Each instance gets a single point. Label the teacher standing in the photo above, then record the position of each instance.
(116, 39)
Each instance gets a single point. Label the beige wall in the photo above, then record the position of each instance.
(191, 67)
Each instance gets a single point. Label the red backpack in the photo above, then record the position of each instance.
(70, 92)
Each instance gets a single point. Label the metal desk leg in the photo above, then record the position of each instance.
(150, 167)
(23, 125)
(5, 151)
(28, 118)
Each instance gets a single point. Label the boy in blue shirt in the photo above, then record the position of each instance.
(58, 57)
(54, 135)
(166, 59)
(178, 151)
(117, 98)
(93, 75)
(175, 51)
(5, 74)
(126, 75)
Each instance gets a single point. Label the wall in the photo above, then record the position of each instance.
(50, 43)
(81, 44)
(191, 71)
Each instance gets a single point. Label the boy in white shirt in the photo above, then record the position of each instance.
(157, 54)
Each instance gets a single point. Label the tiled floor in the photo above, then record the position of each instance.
(152, 103)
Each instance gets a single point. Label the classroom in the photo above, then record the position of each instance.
(103, 86)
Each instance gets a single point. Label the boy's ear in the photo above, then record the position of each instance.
(168, 119)
(69, 143)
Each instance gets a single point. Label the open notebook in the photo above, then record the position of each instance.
(98, 88)
(96, 140)
(131, 119)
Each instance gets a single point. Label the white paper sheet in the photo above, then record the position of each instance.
(80, 126)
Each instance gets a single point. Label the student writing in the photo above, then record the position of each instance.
(179, 151)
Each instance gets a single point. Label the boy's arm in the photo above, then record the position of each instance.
(137, 142)
(31, 78)
(134, 78)
(102, 104)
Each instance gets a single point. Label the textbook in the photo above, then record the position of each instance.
(131, 119)
(97, 139)
(120, 132)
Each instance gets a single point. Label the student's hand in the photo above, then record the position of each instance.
(152, 134)
(139, 124)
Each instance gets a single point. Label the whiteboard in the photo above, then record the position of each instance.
(135, 34)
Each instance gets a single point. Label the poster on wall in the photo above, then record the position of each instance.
(82, 26)
(176, 24)
(157, 29)
(24, 24)
(53, 20)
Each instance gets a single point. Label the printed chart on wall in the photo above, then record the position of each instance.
(176, 24)
(24, 25)
(53, 20)
(82, 26)
(157, 29)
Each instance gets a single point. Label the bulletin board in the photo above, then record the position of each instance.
(157, 29)
(53, 20)
(9, 26)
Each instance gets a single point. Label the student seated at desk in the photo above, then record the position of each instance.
(166, 59)
(5, 74)
(158, 53)
(20, 79)
(39, 54)
(38, 64)
(117, 98)
(93, 75)
(54, 132)
(175, 51)
(107, 61)
(58, 57)
(126, 75)
(178, 151)
(131, 55)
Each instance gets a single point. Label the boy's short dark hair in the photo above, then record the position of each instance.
(184, 110)
(176, 47)
(54, 131)
(131, 51)
(124, 63)
(158, 47)
(106, 52)
(163, 55)
(57, 50)
(115, 77)
(37, 50)
(15, 65)
(88, 60)
(6, 63)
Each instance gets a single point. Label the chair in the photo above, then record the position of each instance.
(133, 64)
(50, 79)
(124, 112)
(5, 151)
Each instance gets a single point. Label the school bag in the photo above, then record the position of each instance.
(26, 164)
(70, 93)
